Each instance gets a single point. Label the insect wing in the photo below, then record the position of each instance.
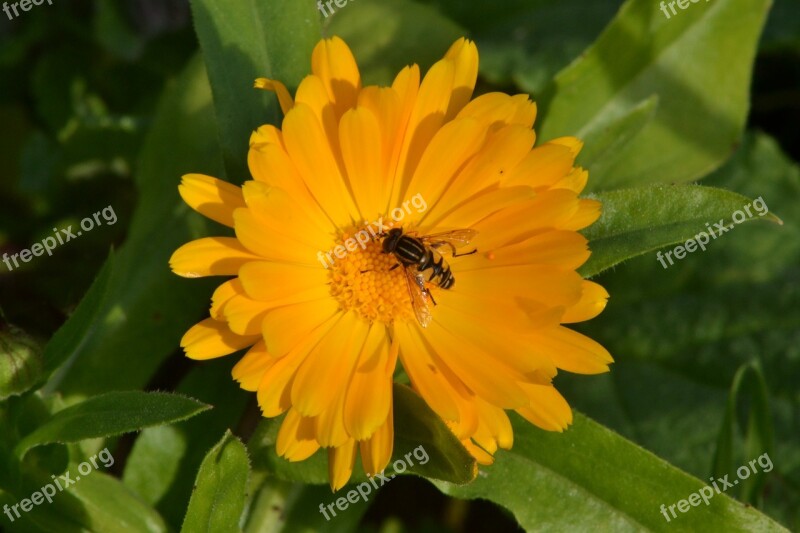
(419, 297)
(454, 239)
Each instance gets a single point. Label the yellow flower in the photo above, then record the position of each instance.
(325, 326)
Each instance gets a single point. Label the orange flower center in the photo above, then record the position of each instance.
(363, 280)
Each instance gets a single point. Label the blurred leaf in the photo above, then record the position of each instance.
(526, 42)
(415, 425)
(387, 35)
(94, 502)
(244, 41)
(590, 478)
(783, 26)
(140, 309)
(113, 32)
(38, 164)
(699, 64)
(759, 429)
(53, 78)
(111, 414)
(13, 138)
(218, 498)
(644, 219)
(72, 334)
(21, 362)
(679, 335)
(283, 507)
(615, 135)
(261, 446)
(164, 460)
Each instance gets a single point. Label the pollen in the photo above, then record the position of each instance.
(365, 281)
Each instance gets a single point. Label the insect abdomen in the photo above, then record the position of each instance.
(441, 274)
(412, 252)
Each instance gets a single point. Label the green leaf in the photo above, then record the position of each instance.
(526, 42)
(93, 502)
(280, 506)
(69, 337)
(164, 460)
(244, 41)
(783, 27)
(698, 62)
(680, 335)
(261, 446)
(590, 478)
(387, 35)
(759, 429)
(643, 219)
(137, 310)
(219, 495)
(614, 136)
(415, 426)
(111, 414)
(21, 362)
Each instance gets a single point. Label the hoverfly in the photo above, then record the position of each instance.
(416, 254)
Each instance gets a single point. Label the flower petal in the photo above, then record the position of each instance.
(269, 163)
(211, 197)
(284, 98)
(296, 440)
(445, 156)
(334, 63)
(362, 152)
(497, 110)
(309, 148)
(283, 325)
(274, 391)
(250, 369)
(376, 452)
(244, 315)
(210, 256)
(469, 363)
(571, 351)
(548, 409)
(593, 300)
(423, 374)
(544, 166)
(427, 116)
(464, 55)
(329, 366)
(565, 249)
(340, 464)
(369, 395)
(283, 284)
(211, 338)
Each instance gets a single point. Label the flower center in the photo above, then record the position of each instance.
(363, 280)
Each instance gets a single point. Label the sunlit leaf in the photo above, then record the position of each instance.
(643, 219)
(111, 414)
(590, 478)
(684, 60)
(219, 495)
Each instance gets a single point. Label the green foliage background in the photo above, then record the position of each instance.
(108, 102)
